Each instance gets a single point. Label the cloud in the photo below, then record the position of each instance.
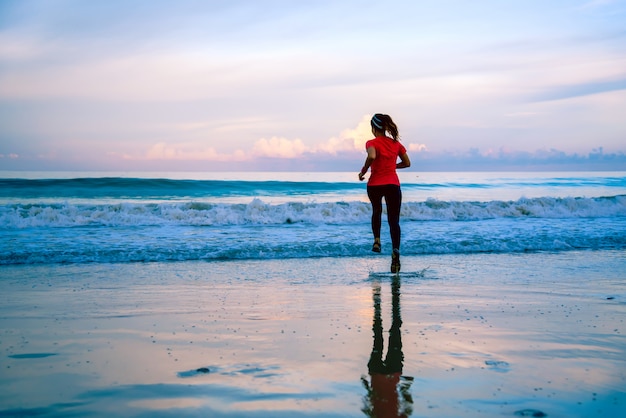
(596, 3)
(348, 141)
(582, 89)
(164, 151)
(490, 159)
(417, 148)
(11, 156)
(353, 140)
(14, 48)
(278, 148)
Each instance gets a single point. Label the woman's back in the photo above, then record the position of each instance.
(384, 166)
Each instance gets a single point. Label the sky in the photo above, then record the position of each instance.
(278, 85)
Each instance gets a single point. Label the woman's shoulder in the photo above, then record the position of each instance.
(379, 140)
(372, 142)
(384, 141)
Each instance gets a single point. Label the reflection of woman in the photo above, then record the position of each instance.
(382, 156)
(388, 394)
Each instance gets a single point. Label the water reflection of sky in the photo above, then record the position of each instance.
(490, 334)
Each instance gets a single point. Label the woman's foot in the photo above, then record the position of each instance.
(376, 246)
(395, 261)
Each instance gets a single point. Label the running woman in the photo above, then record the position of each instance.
(382, 156)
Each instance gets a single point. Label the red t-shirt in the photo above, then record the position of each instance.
(384, 166)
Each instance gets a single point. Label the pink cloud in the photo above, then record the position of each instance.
(276, 147)
(417, 147)
(349, 141)
(164, 151)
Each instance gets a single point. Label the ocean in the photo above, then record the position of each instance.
(87, 217)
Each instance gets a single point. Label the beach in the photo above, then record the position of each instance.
(258, 295)
(519, 334)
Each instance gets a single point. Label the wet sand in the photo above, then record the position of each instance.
(470, 335)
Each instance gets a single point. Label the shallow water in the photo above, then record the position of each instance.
(482, 335)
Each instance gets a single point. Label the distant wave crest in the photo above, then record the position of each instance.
(161, 189)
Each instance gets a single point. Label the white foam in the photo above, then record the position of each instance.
(257, 212)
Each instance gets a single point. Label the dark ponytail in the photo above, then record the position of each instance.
(384, 123)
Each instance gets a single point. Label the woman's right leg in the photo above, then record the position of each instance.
(375, 195)
(393, 199)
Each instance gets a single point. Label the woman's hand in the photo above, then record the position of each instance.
(361, 176)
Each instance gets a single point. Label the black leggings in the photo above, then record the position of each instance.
(393, 199)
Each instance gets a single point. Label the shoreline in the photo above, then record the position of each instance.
(482, 335)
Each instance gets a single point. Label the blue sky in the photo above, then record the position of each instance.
(290, 85)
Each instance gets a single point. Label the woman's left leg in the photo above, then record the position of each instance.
(375, 194)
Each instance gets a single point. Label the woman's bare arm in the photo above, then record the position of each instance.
(405, 162)
(371, 156)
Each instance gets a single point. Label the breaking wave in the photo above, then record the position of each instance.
(257, 212)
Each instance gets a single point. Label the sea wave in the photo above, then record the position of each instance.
(161, 188)
(97, 244)
(258, 212)
(165, 189)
